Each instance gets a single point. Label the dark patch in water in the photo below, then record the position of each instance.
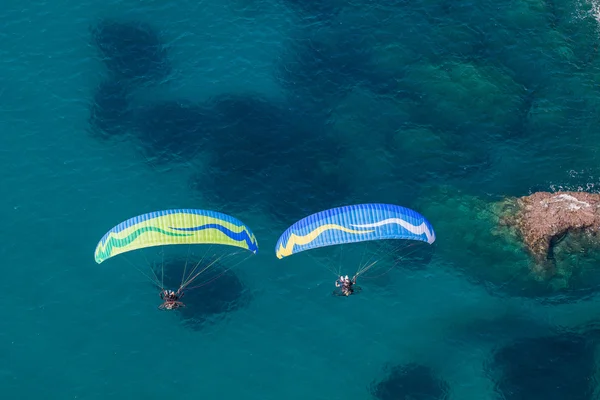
(545, 368)
(320, 10)
(300, 189)
(410, 381)
(132, 51)
(266, 154)
(315, 69)
(252, 133)
(520, 127)
(456, 159)
(553, 14)
(173, 130)
(221, 292)
(110, 114)
(543, 293)
(248, 138)
(413, 255)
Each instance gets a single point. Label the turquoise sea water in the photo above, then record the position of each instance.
(359, 102)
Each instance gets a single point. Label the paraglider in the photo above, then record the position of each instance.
(171, 299)
(351, 224)
(176, 227)
(346, 284)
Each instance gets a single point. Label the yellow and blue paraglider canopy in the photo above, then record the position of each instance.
(355, 223)
(175, 227)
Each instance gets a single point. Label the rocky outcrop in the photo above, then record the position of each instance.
(542, 246)
(543, 218)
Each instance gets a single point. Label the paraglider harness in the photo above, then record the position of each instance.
(347, 287)
(171, 299)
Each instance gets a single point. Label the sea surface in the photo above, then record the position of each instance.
(271, 110)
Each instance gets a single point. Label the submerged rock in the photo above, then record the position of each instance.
(110, 114)
(411, 381)
(319, 10)
(262, 153)
(173, 130)
(322, 66)
(132, 51)
(545, 368)
(468, 95)
(542, 246)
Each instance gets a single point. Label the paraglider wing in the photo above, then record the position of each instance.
(355, 223)
(186, 226)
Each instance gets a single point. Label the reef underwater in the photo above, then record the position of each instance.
(544, 245)
(417, 125)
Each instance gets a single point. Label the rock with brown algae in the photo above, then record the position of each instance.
(543, 246)
(542, 219)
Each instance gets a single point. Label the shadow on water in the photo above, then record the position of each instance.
(132, 51)
(545, 368)
(215, 293)
(410, 381)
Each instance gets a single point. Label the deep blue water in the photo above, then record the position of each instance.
(271, 110)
